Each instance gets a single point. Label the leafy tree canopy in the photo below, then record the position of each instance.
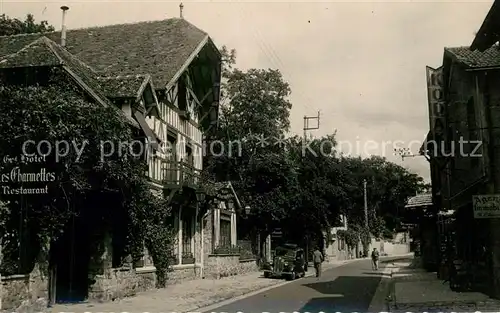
(301, 187)
(13, 26)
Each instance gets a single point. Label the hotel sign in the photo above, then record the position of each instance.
(435, 95)
(486, 206)
(19, 180)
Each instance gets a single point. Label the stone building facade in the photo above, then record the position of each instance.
(216, 230)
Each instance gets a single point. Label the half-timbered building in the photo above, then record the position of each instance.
(165, 77)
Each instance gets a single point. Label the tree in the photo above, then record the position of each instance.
(388, 188)
(13, 26)
(253, 116)
(319, 197)
(301, 187)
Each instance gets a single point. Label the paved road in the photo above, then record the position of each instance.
(343, 289)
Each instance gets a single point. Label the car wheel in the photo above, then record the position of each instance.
(291, 276)
(267, 274)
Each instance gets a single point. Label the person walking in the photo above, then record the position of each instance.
(375, 256)
(318, 259)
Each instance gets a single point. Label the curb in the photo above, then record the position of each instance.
(379, 300)
(383, 297)
(229, 300)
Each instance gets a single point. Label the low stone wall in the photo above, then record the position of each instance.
(118, 283)
(15, 288)
(223, 265)
(22, 293)
(180, 273)
(113, 284)
(248, 266)
(146, 278)
(396, 248)
(29, 293)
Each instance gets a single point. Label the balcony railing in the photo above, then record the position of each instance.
(180, 173)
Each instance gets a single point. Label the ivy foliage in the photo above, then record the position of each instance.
(109, 192)
(350, 236)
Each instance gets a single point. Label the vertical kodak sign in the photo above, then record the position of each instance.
(435, 95)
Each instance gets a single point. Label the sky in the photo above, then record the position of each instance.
(360, 64)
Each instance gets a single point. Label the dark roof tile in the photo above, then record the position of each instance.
(123, 86)
(420, 201)
(158, 48)
(36, 53)
(475, 58)
(45, 52)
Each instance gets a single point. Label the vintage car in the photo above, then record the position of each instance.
(288, 262)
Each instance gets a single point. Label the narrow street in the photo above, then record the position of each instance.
(347, 288)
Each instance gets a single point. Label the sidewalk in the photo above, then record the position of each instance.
(414, 289)
(186, 296)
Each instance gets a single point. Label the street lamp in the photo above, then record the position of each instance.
(247, 210)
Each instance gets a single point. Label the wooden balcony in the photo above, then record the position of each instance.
(180, 174)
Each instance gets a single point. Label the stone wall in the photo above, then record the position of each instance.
(23, 293)
(224, 265)
(248, 266)
(15, 288)
(219, 266)
(124, 282)
(113, 284)
(185, 272)
(146, 278)
(396, 248)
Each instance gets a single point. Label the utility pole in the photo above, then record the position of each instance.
(366, 204)
(306, 124)
(306, 128)
(365, 244)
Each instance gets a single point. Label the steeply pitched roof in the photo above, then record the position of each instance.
(420, 201)
(489, 33)
(475, 58)
(129, 86)
(224, 190)
(45, 52)
(158, 48)
(36, 53)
